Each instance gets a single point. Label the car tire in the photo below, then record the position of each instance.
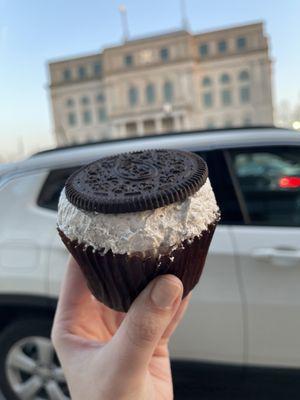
(26, 353)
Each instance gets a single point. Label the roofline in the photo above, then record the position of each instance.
(73, 58)
(230, 27)
(152, 37)
(134, 138)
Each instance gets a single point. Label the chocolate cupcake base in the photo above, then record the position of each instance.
(117, 279)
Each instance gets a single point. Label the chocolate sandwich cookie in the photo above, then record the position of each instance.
(138, 181)
(130, 217)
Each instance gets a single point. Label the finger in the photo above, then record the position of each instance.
(177, 318)
(145, 323)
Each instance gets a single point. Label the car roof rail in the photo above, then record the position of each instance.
(196, 131)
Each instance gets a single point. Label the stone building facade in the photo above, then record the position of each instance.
(174, 81)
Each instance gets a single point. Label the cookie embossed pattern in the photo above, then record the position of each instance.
(130, 217)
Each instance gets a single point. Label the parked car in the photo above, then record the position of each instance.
(244, 312)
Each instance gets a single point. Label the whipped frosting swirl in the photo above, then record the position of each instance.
(153, 230)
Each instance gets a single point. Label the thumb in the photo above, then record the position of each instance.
(145, 323)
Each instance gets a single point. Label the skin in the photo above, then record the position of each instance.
(108, 355)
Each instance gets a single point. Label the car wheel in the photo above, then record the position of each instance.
(29, 367)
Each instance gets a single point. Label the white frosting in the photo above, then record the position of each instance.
(151, 230)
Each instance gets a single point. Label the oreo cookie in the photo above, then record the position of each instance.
(137, 181)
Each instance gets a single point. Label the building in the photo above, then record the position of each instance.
(173, 81)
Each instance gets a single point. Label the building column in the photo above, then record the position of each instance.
(122, 130)
(177, 123)
(140, 128)
(158, 125)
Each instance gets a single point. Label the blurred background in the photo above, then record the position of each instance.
(73, 72)
(84, 80)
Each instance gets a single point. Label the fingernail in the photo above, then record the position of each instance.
(165, 292)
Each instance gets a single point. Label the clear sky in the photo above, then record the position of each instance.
(34, 31)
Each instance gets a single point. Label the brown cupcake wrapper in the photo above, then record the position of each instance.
(117, 279)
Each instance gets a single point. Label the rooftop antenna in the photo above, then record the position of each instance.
(124, 20)
(184, 19)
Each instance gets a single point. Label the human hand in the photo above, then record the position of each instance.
(109, 355)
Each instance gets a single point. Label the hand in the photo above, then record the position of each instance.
(108, 355)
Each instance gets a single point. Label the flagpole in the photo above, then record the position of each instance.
(184, 19)
(124, 21)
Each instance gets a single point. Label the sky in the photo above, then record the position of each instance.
(33, 32)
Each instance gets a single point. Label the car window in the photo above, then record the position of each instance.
(218, 174)
(269, 181)
(223, 188)
(54, 183)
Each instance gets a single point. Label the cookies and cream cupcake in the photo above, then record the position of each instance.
(130, 217)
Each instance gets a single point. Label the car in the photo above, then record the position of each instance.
(245, 310)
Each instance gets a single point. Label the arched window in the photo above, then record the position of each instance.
(150, 93)
(225, 78)
(245, 94)
(206, 81)
(133, 96)
(100, 97)
(85, 100)
(168, 91)
(244, 76)
(207, 99)
(70, 102)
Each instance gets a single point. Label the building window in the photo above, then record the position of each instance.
(167, 124)
(85, 100)
(133, 96)
(207, 99)
(131, 128)
(210, 124)
(102, 116)
(97, 69)
(206, 81)
(70, 102)
(150, 93)
(71, 119)
(128, 60)
(247, 121)
(164, 54)
(241, 43)
(226, 97)
(228, 123)
(225, 78)
(245, 94)
(67, 74)
(203, 50)
(87, 117)
(168, 92)
(149, 126)
(100, 98)
(244, 76)
(222, 46)
(81, 72)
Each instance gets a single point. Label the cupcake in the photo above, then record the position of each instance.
(133, 216)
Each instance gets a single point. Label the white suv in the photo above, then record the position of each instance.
(246, 309)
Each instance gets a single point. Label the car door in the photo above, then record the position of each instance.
(48, 201)
(267, 180)
(213, 327)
